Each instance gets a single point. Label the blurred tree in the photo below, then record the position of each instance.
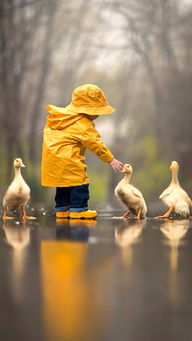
(65, 39)
(140, 51)
(17, 22)
(44, 66)
(154, 31)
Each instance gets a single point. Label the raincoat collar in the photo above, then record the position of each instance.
(59, 119)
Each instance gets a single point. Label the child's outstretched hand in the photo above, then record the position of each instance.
(116, 165)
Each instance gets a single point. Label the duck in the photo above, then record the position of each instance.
(130, 196)
(17, 194)
(175, 197)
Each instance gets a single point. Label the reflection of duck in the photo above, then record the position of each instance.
(18, 193)
(18, 237)
(174, 196)
(174, 230)
(130, 196)
(127, 236)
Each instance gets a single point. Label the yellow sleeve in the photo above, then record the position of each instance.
(91, 139)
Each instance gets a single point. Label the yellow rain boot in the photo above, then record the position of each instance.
(83, 215)
(64, 214)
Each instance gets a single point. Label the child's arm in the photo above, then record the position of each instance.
(91, 139)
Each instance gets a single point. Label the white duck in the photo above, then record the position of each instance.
(174, 196)
(18, 193)
(130, 196)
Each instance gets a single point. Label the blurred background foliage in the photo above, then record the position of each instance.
(138, 51)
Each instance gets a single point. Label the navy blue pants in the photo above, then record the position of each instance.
(73, 198)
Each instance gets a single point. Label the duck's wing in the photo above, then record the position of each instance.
(8, 194)
(183, 196)
(168, 191)
(5, 200)
(135, 192)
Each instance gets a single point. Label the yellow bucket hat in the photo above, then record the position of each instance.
(89, 99)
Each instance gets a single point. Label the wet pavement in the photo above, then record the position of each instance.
(103, 280)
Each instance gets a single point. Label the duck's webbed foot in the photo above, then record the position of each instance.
(5, 217)
(24, 217)
(125, 215)
(167, 214)
(30, 217)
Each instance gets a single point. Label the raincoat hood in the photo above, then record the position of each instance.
(59, 119)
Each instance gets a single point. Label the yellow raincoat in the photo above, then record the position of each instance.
(65, 139)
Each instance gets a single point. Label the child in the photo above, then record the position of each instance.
(67, 134)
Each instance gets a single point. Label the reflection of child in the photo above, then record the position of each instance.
(67, 134)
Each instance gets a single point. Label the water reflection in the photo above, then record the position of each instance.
(92, 291)
(174, 231)
(18, 237)
(128, 235)
(68, 303)
(77, 229)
